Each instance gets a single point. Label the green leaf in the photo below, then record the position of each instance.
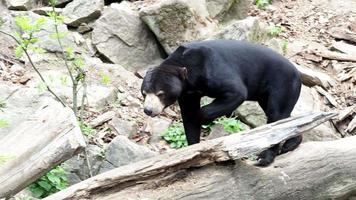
(54, 179)
(5, 158)
(4, 123)
(23, 23)
(52, 3)
(173, 145)
(38, 50)
(36, 191)
(64, 80)
(78, 62)
(105, 78)
(18, 51)
(39, 23)
(70, 53)
(45, 185)
(41, 87)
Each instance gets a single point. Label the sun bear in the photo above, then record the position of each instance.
(230, 72)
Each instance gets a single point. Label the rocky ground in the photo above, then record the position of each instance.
(122, 40)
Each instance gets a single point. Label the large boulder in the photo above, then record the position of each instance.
(226, 10)
(121, 151)
(17, 105)
(82, 11)
(122, 37)
(250, 29)
(178, 21)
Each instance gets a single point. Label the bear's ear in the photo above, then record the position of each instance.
(183, 72)
(193, 57)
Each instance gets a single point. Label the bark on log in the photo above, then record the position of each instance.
(335, 55)
(47, 139)
(343, 34)
(165, 168)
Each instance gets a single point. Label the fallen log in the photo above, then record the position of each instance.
(312, 78)
(344, 47)
(315, 170)
(148, 172)
(48, 138)
(332, 55)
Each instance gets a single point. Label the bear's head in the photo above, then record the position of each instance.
(161, 87)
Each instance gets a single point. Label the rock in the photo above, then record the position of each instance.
(102, 119)
(82, 11)
(20, 103)
(178, 21)
(227, 10)
(156, 126)
(17, 69)
(20, 4)
(250, 29)
(121, 37)
(78, 166)
(123, 127)
(7, 43)
(100, 96)
(251, 113)
(119, 76)
(121, 151)
(62, 3)
(84, 28)
(44, 10)
(47, 42)
(309, 100)
(216, 132)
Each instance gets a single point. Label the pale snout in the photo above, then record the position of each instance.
(152, 105)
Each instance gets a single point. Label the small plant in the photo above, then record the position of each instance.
(175, 136)
(284, 46)
(54, 181)
(230, 125)
(4, 123)
(4, 159)
(86, 129)
(105, 78)
(274, 31)
(261, 4)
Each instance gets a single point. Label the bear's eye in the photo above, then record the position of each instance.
(160, 94)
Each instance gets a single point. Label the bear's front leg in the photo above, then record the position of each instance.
(221, 106)
(190, 106)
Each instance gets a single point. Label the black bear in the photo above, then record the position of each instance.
(230, 72)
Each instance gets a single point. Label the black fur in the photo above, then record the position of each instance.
(231, 72)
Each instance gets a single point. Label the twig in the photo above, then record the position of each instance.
(74, 81)
(34, 67)
(327, 96)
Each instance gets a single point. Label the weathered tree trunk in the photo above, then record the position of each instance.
(47, 139)
(176, 171)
